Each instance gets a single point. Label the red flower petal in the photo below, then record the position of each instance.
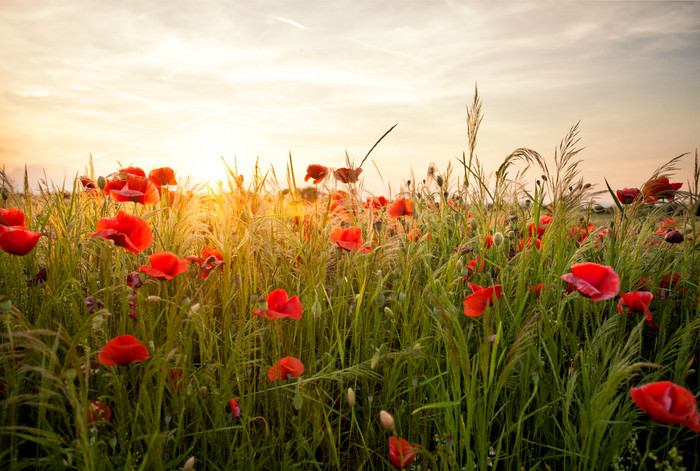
(162, 176)
(122, 350)
(348, 175)
(401, 452)
(164, 265)
(18, 240)
(475, 304)
(349, 238)
(130, 232)
(279, 306)
(594, 281)
(668, 403)
(11, 217)
(285, 366)
(317, 172)
(400, 207)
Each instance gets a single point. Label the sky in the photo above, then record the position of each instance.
(182, 84)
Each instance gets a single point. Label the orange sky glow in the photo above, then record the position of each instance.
(182, 84)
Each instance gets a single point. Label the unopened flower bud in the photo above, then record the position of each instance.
(351, 397)
(153, 299)
(189, 464)
(203, 391)
(439, 181)
(387, 421)
(101, 182)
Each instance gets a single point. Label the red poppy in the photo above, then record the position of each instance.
(164, 265)
(317, 172)
(162, 176)
(594, 281)
(132, 185)
(414, 235)
(580, 233)
(11, 217)
(653, 190)
(536, 231)
(348, 175)
(488, 241)
(209, 260)
(400, 207)
(235, 408)
(130, 232)
(636, 301)
(401, 452)
(474, 265)
(40, 277)
(670, 281)
(342, 205)
(528, 243)
(278, 306)
(18, 240)
(546, 219)
(122, 350)
(627, 195)
(475, 304)
(668, 403)
(286, 368)
(349, 238)
(98, 411)
(536, 289)
(375, 202)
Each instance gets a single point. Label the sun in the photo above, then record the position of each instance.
(203, 153)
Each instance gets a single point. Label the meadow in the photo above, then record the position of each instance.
(468, 321)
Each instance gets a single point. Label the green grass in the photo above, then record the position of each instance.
(534, 383)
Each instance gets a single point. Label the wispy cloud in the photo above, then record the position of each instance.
(291, 22)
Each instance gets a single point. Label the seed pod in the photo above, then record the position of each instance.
(498, 239)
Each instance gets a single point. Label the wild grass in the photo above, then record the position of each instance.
(535, 383)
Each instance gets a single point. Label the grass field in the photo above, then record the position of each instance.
(406, 320)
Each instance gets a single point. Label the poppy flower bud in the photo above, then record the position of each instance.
(674, 237)
(498, 239)
(351, 397)
(153, 299)
(189, 464)
(203, 391)
(387, 421)
(389, 312)
(370, 398)
(5, 195)
(439, 181)
(544, 177)
(101, 182)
